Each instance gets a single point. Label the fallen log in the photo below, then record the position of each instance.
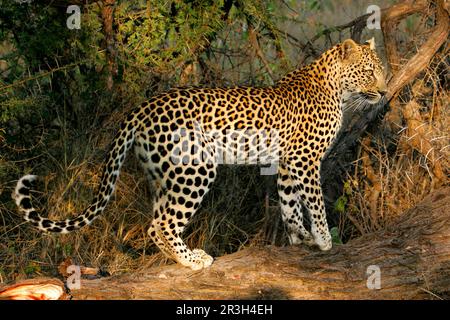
(413, 257)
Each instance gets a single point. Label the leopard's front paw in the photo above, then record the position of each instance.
(198, 260)
(323, 239)
(206, 259)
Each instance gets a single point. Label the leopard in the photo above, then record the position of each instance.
(181, 136)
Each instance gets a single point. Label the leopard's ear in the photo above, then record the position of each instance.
(371, 43)
(348, 47)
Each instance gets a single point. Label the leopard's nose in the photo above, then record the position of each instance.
(382, 87)
(382, 91)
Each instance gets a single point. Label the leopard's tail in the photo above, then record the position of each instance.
(116, 156)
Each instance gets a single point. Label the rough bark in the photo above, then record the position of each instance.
(413, 255)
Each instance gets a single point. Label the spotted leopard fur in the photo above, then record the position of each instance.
(305, 110)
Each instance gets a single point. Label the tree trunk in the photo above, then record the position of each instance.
(413, 256)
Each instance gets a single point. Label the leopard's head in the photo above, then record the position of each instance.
(362, 71)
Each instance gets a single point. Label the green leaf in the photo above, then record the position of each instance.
(314, 5)
(32, 268)
(67, 248)
(347, 188)
(334, 232)
(340, 204)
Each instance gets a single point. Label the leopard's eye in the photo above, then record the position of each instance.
(369, 71)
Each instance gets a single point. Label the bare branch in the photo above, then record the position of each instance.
(424, 54)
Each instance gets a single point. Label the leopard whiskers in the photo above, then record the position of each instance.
(355, 104)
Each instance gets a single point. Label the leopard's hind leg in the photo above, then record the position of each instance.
(182, 193)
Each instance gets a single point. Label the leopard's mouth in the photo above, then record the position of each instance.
(372, 97)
